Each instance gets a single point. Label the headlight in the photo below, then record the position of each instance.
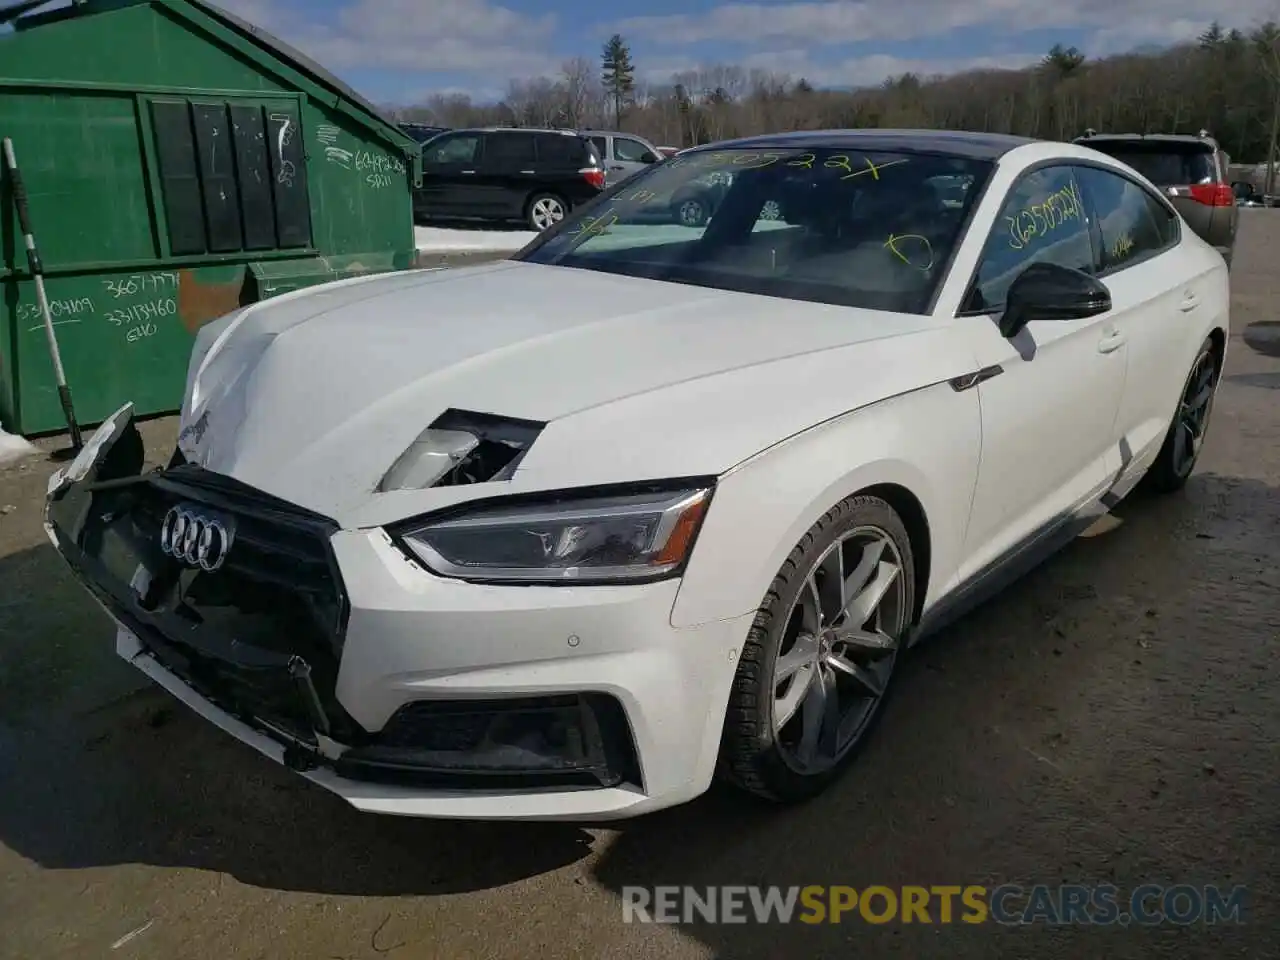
(604, 539)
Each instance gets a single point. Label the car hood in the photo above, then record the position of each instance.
(312, 396)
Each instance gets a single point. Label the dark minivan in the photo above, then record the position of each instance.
(1192, 172)
(502, 174)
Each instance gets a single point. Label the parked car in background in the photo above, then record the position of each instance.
(668, 151)
(496, 173)
(1190, 170)
(422, 132)
(624, 154)
(694, 202)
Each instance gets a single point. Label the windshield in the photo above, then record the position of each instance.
(871, 230)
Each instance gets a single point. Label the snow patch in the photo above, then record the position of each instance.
(446, 240)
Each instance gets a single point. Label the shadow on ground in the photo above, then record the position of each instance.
(1082, 727)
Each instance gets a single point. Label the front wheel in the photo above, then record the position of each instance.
(819, 658)
(1183, 442)
(544, 211)
(691, 212)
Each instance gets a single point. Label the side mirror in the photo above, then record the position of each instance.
(1048, 291)
(649, 158)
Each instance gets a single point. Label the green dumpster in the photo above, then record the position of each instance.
(179, 163)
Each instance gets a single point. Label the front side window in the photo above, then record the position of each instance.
(458, 148)
(1042, 221)
(1133, 225)
(630, 151)
(834, 226)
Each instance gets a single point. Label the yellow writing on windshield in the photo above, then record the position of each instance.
(1042, 219)
(740, 160)
(912, 249)
(595, 227)
(843, 163)
(641, 196)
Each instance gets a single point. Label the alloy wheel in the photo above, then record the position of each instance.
(546, 212)
(839, 648)
(692, 213)
(1192, 421)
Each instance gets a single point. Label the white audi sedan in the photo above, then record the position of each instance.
(570, 535)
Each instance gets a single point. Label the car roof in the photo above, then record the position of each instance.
(959, 143)
(610, 133)
(1148, 138)
(567, 133)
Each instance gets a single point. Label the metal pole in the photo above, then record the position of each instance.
(37, 271)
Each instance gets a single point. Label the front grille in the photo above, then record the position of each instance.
(239, 635)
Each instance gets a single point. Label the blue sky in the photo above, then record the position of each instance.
(399, 51)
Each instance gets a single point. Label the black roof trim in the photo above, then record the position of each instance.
(958, 143)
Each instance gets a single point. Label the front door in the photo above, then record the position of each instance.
(449, 176)
(630, 156)
(1051, 393)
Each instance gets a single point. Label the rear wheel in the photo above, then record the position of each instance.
(545, 210)
(1183, 442)
(818, 660)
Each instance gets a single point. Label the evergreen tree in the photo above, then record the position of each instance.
(618, 77)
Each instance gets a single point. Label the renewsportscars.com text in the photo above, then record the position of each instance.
(1061, 904)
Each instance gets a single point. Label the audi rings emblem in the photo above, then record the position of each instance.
(199, 539)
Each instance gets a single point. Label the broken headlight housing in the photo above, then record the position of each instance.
(615, 538)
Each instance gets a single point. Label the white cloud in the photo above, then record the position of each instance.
(833, 22)
(446, 36)
(850, 72)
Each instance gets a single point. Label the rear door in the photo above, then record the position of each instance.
(1178, 168)
(1157, 293)
(508, 173)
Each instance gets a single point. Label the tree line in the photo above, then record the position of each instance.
(1227, 82)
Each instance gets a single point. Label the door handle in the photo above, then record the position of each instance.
(1111, 342)
(1189, 303)
(468, 171)
(528, 171)
(616, 166)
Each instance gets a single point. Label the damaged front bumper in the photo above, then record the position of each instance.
(330, 651)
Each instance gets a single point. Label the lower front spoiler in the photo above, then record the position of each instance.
(585, 805)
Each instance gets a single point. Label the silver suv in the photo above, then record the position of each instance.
(624, 154)
(1192, 172)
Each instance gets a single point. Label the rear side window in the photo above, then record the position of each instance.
(1133, 224)
(1164, 164)
(508, 149)
(562, 150)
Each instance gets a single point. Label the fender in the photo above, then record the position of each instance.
(742, 547)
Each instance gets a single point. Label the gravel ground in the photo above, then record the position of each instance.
(1113, 718)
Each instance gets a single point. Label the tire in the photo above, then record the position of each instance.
(755, 754)
(691, 212)
(1172, 467)
(545, 210)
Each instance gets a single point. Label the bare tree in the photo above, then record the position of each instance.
(583, 96)
(1226, 81)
